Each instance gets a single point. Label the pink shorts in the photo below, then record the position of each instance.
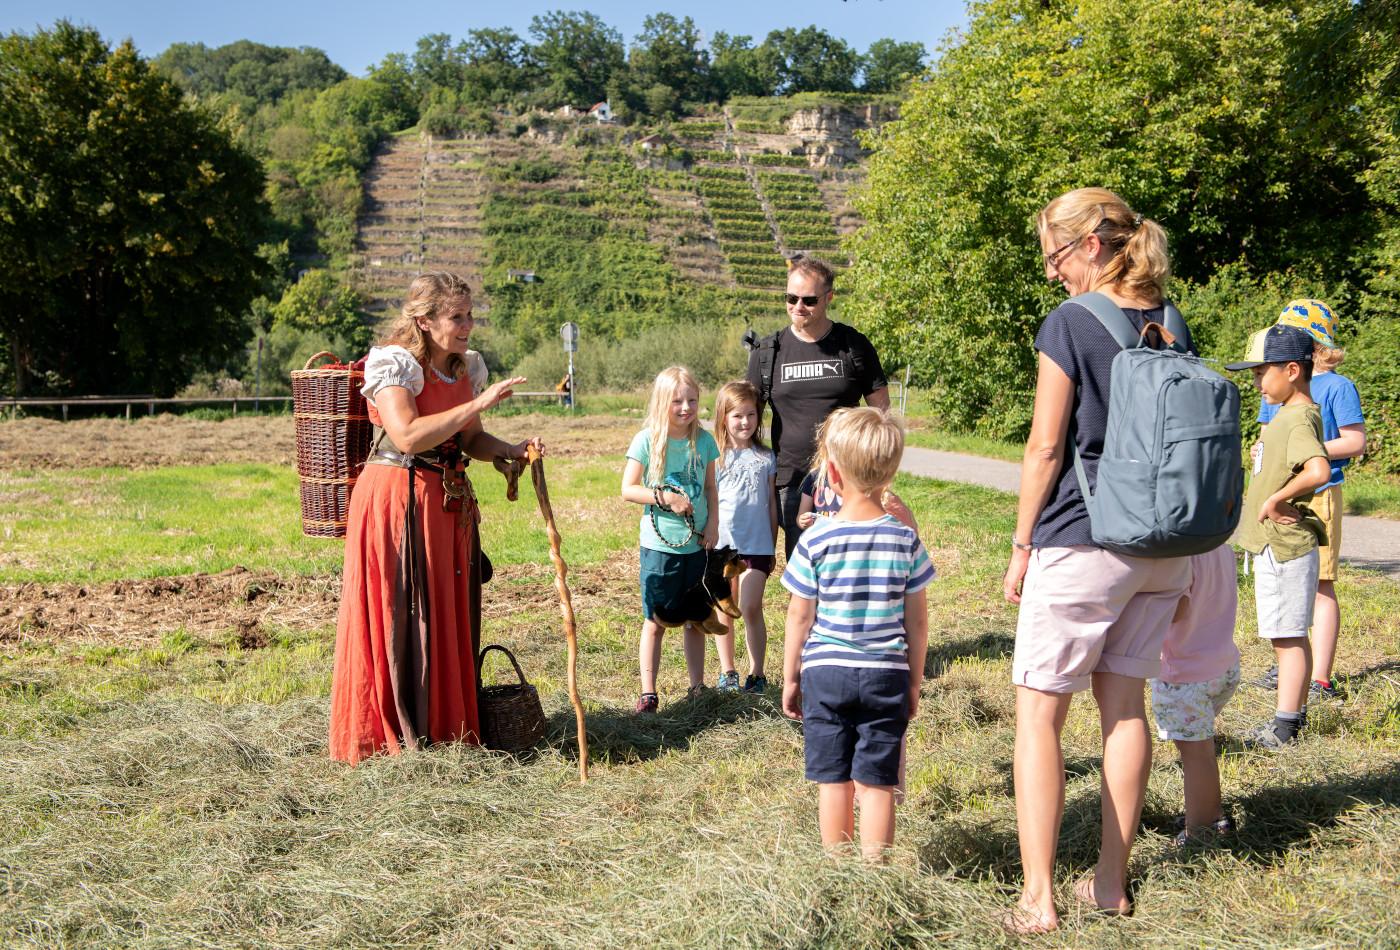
(1086, 610)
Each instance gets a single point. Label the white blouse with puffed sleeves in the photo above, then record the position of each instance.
(477, 371)
(395, 366)
(391, 366)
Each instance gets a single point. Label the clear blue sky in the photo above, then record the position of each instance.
(358, 33)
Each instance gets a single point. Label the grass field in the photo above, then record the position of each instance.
(164, 778)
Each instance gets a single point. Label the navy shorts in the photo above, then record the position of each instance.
(853, 720)
(667, 575)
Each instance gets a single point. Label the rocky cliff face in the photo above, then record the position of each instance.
(828, 133)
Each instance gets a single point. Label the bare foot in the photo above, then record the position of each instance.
(1023, 921)
(1085, 892)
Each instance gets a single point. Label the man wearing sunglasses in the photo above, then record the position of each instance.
(812, 367)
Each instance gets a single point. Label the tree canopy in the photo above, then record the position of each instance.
(255, 72)
(1256, 133)
(130, 221)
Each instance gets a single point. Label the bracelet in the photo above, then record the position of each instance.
(1018, 545)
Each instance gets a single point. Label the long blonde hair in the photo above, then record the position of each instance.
(731, 395)
(427, 296)
(668, 382)
(1141, 264)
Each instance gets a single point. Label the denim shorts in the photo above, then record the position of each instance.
(853, 720)
(667, 575)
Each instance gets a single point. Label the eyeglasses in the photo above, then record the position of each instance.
(806, 301)
(1053, 258)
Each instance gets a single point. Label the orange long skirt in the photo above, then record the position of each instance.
(405, 657)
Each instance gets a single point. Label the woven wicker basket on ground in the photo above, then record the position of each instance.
(333, 439)
(512, 719)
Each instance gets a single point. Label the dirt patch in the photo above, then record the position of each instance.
(161, 440)
(248, 606)
(143, 611)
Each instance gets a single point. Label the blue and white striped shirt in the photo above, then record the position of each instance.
(858, 572)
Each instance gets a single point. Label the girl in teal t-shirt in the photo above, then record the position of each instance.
(670, 471)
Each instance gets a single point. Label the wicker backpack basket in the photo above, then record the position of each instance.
(512, 719)
(333, 440)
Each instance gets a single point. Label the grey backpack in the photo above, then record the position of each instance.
(1170, 481)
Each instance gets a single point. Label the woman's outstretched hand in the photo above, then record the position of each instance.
(498, 392)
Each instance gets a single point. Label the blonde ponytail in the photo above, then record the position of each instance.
(1141, 264)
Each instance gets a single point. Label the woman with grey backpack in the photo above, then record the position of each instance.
(1096, 599)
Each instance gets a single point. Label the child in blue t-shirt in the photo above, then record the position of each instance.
(857, 631)
(671, 471)
(746, 474)
(1344, 435)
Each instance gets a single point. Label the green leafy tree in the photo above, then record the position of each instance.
(320, 302)
(741, 69)
(812, 60)
(1200, 113)
(499, 67)
(130, 220)
(395, 74)
(668, 53)
(578, 53)
(437, 63)
(256, 73)
(889, 63)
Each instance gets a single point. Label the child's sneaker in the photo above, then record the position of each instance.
(1265, 738)
(1268, 680)
(755, 684)
(647, 703)
(1320, 690)
(728, 682)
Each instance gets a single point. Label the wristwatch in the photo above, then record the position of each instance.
(1018, 545)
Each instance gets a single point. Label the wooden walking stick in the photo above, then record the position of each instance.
(566, 604)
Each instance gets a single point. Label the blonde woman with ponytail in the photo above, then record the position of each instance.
(1090, 618)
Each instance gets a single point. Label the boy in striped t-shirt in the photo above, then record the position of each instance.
(857, 627)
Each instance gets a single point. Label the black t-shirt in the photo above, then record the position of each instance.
(810, 380)
(1078, 344)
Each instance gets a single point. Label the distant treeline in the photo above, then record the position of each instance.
(569, 59)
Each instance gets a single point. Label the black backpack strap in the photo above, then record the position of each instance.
(767, 362)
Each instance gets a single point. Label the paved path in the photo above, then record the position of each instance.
(1372, 543)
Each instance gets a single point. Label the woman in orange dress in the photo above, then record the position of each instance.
(405, 647)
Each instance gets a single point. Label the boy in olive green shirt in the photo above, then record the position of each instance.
(1278, 526)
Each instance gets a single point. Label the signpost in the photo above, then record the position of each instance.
(569, 334)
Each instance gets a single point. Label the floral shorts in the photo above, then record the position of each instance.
(1185, 712)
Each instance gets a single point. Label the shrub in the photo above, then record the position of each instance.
(792, 161)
